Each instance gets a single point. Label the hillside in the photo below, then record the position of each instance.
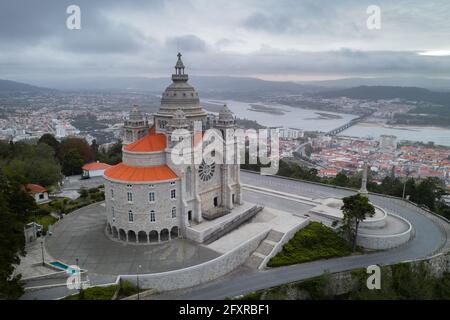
(205, 85)
(12, 86)
(387, 92)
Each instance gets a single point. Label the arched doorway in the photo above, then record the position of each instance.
(142, 237)
(122, 235)
(174, 233)
(115, 234)
(153, 236)
(131, 236)
(164, 235)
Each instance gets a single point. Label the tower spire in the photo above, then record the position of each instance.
(179, 75)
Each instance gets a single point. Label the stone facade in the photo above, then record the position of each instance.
(139, 227)
(202, 190)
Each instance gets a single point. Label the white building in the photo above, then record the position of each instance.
(39, 193)
(149, 197)
(63, 129)
(388, 143)
(94, 169)
(289, 133)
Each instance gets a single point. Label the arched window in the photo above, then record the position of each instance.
(113, 212)
(130, 216)
(152, 216)
(174, 212)
(130, 196)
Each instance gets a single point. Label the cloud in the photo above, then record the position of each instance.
(187, 43)
(249, 37)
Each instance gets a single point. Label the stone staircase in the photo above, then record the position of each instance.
(232, 224)
(264, 249)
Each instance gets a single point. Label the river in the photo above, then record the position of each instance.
(275, 115)
(289, 117)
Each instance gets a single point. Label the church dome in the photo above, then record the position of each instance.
(225, 115)
(180, 95)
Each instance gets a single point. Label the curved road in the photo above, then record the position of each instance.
(431, 235)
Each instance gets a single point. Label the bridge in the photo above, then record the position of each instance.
(349, 124)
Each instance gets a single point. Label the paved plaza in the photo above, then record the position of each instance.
(81, 235)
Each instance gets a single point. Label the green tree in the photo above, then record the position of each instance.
(427, 192)
(355, 209)
(112, 156)
(29, 163)
(51, 141)
(79, 145)
(72, 163)
(94, 147)
(16, 206)
(341, 180)
(84, 193)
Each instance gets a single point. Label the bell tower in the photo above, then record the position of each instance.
(135, 127)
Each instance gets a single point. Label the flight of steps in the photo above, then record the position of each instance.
(233, 224)
(264, 249)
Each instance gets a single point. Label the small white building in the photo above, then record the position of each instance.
(39, 193)
(290, 133)
(388, 143)
(94, 169)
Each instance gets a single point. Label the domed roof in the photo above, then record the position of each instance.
(136, 114)
(124, 173)
(180, 95)
(225, 114)
(152, 142)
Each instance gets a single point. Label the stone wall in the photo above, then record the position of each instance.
(201, 273)
(141, 206)
(384, 242)
(344, 282)
(147, 159)
(279, 246)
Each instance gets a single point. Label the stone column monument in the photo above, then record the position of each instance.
(363, 189)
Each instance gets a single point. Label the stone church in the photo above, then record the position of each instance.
(149, 198)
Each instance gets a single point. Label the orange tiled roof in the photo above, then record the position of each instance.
(122, 172)
(35, 188)
(96, 166)
(152, 142)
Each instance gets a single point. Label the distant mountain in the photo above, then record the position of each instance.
(385, 92)
(435, 84)
(12, 86)
(204, 84)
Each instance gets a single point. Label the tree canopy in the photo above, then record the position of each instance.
(27, 163)
(355, 209)
(16, 206)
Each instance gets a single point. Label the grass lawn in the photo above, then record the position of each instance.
(44, 221)
(95, 293)
(314, 242)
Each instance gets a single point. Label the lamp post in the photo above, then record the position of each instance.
(79, 274)
(137, 280)
(42, 251)
(404, 184)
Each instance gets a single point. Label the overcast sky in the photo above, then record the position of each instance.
(270, 39)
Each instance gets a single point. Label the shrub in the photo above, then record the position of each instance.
(313, 242)
(127, 289)
(94, 293)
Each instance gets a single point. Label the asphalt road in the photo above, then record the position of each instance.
(429, 238)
